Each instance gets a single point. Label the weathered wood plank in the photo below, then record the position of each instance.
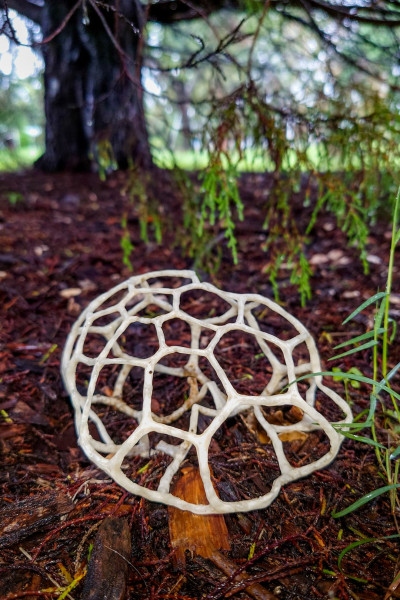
(25, 517)
(107, 574)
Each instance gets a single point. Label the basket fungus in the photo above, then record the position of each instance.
(151, 352)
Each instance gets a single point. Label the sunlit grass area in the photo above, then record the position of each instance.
(256, 160)
(253, 160)
(18, 158)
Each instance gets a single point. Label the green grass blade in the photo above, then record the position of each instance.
(347, 427)
(391, 373)
(372, 407)
(371, 300)
(394, 329)
(363, 439)
(367, 498)
(360, 415)
(380, 386)
(379, 317)
(396, 453)
(369, 344)
(360, 338)
(364, 541)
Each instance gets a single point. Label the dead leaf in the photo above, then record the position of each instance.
(291, 436)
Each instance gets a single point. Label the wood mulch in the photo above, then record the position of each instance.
(66, 529)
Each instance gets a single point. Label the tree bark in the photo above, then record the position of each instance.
(93, 100)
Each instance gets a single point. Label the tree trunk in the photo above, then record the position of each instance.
(93, 101)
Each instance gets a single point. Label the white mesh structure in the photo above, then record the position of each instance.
(123, 333)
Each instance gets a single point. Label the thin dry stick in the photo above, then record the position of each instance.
(62, 25)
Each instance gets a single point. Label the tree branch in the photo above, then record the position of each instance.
(375, 13)
(166, 11)
(31, 10)
(372, 14)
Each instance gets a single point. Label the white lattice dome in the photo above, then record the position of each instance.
(145, 364)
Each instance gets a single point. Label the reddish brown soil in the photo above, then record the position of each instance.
(62, 232)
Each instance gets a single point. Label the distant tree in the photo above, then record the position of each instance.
(309, 87)
(94, 51)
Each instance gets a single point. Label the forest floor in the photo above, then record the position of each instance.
(60, 246)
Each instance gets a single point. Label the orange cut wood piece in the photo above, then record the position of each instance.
(202, 534)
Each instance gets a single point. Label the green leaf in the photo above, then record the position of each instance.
(368, 302)
(369, 344)
(360, 338)
(365, 499)
(336, 370)
(354, 384)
